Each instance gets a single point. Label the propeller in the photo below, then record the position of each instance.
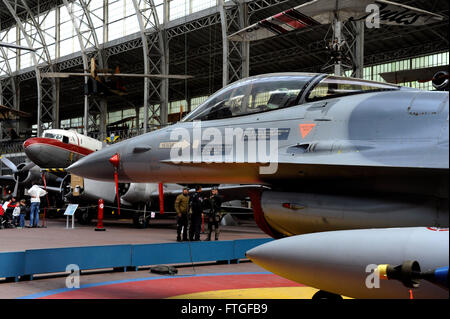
(115, 161)
(16, 171)
(27, 167)
(12, 167)
(8, 163)
(14, 194)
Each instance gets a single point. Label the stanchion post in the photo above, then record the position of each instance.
(43, 219)
(203, 223)
(101, 205)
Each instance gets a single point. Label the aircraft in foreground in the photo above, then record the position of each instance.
(349, 153)
(344, 154)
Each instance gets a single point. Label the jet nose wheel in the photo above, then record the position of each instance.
(84, 218)
(325, 295)
(140, 221)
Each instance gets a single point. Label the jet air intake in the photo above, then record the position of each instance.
(440, 81)
(301, 213)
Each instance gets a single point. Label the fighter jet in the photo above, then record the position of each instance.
(344, 154)
(338, 153)
(57, 149)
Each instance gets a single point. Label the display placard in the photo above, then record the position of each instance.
(70, 210)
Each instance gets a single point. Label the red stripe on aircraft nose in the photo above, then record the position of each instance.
(56, 143)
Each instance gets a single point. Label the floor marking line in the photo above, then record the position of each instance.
(107, 283)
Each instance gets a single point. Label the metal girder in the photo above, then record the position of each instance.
(406, 53)
(257, 5)
(156, 61)
(8, 93)
(346, 48)
(235, 59)
(194, 25)
(30, 27)
(80, 16)
(7, 84)
(358, 50)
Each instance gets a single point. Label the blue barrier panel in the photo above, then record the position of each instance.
(12, 264)
(40, 261)
(212, 251)
(152, 254)
(241, 246)
(171, 253)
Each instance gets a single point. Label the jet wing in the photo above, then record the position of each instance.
(228, 192)
(398, 162)
(319, 12)
(375, 154)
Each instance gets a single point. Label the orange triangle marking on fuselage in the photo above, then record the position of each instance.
(305, 129)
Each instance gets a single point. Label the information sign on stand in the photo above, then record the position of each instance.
(70, 211)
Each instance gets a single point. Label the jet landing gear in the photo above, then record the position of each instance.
(83, 217)
(325, 295)
(141, 218)
(140, 221)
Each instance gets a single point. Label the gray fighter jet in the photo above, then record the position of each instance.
(344, 154)
(338, 153)
(60, 148)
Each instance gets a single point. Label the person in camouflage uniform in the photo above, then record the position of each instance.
(213, 216)
(182, 209)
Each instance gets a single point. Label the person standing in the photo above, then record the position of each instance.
(16, 215)
(23, 211)
(35, 192)
(182, 209)
(196, 203)
(215, 203)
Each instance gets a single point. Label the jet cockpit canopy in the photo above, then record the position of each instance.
(278, 90)
(253, 95)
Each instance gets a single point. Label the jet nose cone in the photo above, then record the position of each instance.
(95, 166)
